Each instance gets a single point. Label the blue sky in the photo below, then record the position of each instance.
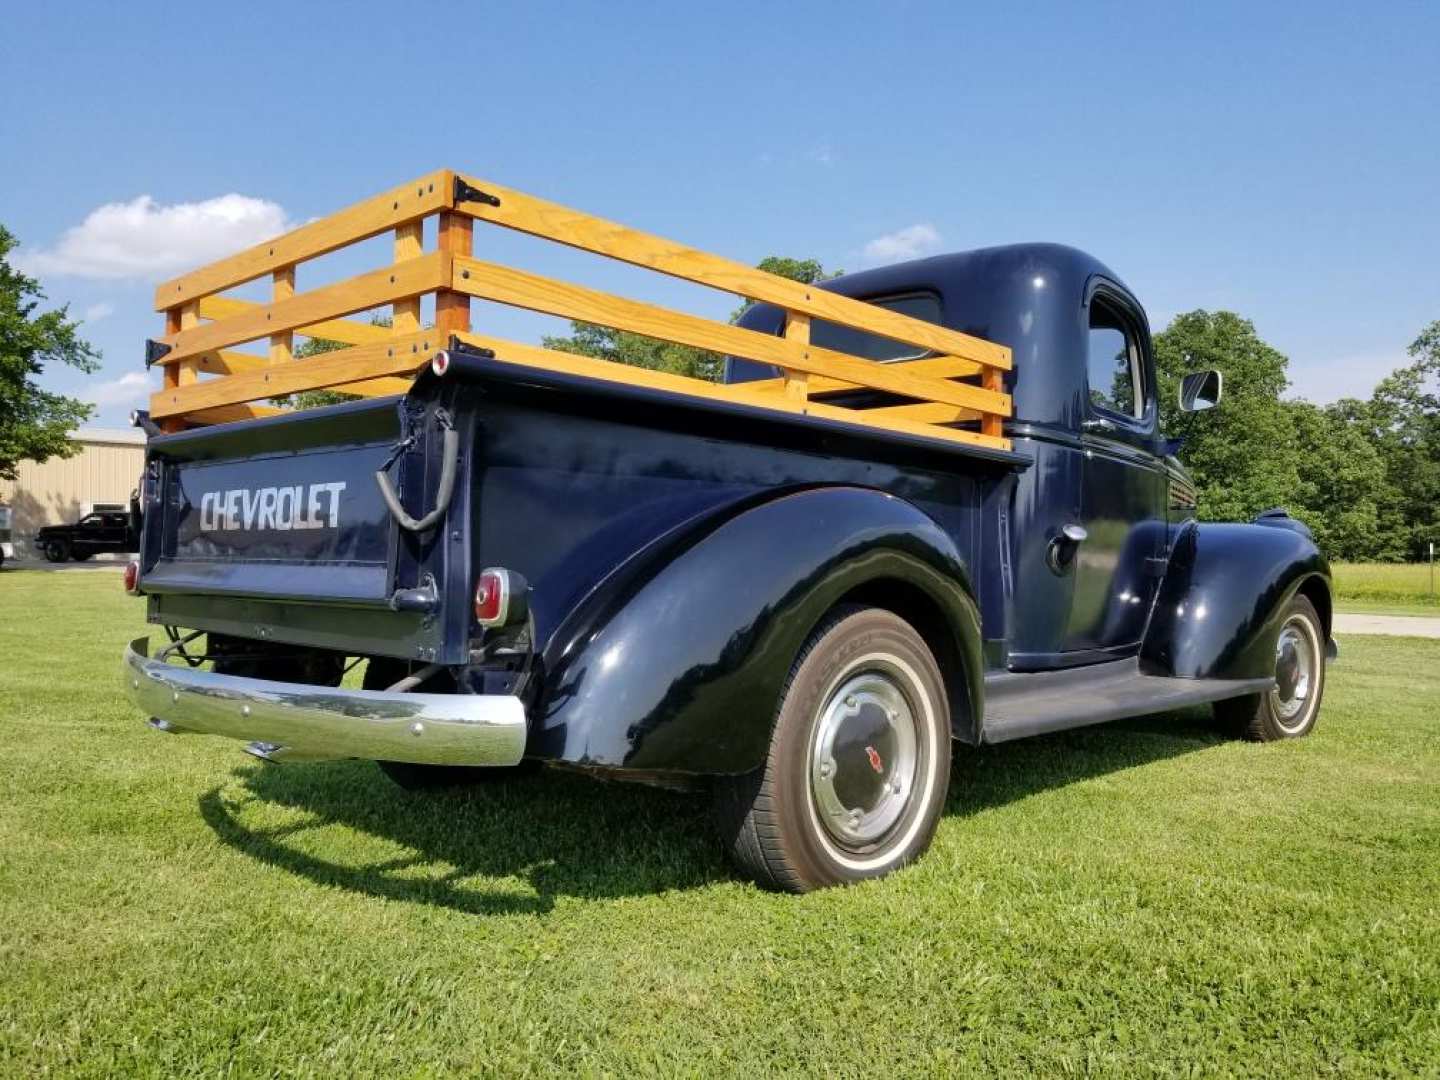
(1280, 161)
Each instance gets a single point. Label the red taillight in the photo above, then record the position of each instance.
(500, 597)
(490, 598)
(132, 577)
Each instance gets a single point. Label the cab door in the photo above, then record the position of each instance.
(1122, 510)
(116, 529)
(88, 536)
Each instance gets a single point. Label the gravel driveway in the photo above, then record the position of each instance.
(1402, 625)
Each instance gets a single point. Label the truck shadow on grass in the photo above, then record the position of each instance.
(515, 846)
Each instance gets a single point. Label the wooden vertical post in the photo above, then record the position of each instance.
(282, 287)
(797, 383)
(184, 373)
(409, 244)
(171, 373)
(452, 309)
(992, 378)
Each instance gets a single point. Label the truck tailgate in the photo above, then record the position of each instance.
(284, 508)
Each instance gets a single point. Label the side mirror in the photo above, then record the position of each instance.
(1200, 390)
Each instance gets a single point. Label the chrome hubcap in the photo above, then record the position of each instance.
(1295, 665)
(863, 759)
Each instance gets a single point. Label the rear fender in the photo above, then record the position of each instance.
(1224, 592)
(677, 664)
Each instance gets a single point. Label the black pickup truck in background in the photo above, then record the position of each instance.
(94, 534)
(801, 615)
(7, 546)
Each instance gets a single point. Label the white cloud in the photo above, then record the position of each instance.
(144, 239)
(822, 155)
(907, 243)
(132, 388)
(95, 312)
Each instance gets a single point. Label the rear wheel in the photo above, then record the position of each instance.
(859, 760)
(381, 673)
(1290, 710)
(56, 550)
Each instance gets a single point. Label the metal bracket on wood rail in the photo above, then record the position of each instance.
(141, 418)
(456, 345)
(470, 193)
(155, 351)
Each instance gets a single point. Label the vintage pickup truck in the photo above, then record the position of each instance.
(929, 507)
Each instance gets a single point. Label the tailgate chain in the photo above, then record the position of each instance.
(450, 449)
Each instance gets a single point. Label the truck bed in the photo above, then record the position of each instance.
(562, 477)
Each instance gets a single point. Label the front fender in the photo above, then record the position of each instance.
(678, 665)
(1224, 591)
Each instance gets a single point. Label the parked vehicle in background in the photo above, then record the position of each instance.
(94, 534)
(798, 590)
(7, 545)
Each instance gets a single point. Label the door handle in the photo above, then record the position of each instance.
(1060, 555)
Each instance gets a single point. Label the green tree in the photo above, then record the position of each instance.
(1244, 455)
(805, 271)
(637, 350)
(1343, 493)
(1402, 420)
(314, 399)
(35, 424)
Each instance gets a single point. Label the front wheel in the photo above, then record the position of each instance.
(1290, 710)
(56, 551)
(859, 761)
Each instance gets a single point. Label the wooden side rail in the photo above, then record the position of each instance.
(202, 328)
(389, 210)
(521, 289)
(525, 213)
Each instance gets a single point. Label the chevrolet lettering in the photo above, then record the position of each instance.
(312, 506)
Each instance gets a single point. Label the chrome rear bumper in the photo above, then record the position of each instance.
(294, 721)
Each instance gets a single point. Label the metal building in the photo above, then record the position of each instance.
(100, 477)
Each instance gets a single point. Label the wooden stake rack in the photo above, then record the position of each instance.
(957, 380)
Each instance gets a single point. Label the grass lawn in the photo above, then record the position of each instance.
(1140, 899)
(1393, 588)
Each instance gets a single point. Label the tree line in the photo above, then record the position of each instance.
(1365, 475)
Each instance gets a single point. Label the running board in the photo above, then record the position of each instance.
(1018, 705)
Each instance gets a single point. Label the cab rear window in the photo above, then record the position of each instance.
(924, 306)
(828, 335)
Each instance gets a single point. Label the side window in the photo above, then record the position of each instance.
(923, 306)
(1113, 364)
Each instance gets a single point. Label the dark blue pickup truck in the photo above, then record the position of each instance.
(801, 616)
